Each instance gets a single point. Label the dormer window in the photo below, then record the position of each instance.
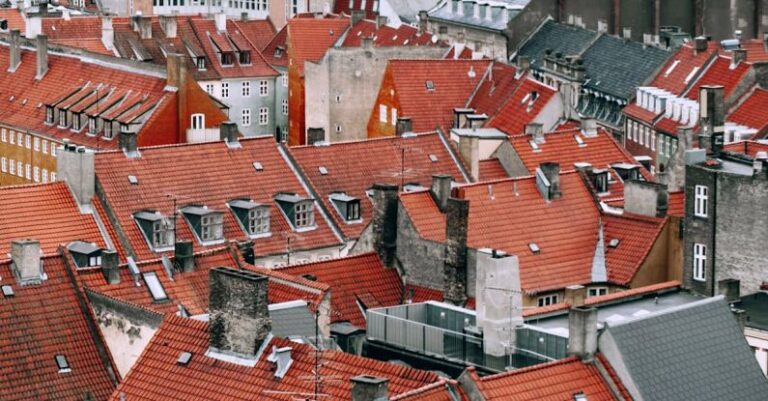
(85, 254)
(627, 171)
(49, 114)
(245, 57)
(62, 119)
(253, 217)
(601, 181)
(298, 210)
(347, 206)
(92, 125)
(207, 224)
(279, 51)
(227, 58)
(158, 230)
(200, 62)
(76, 121)
(108, 129)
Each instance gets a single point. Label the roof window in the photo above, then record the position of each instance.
(245, 57)
(534, 248)
(184, 358)
(433, 158)
(347, 206)
(207, 224)
(62, 364)
(7, 291)
(257, 166)
(298, 210)
(133, 180)
(156, 289)
(580, 141)
(158, 230)
(323, 170)
(534, 146)
(430, 85)
(253, 217)
(614, 243)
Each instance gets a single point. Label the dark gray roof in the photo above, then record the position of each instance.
(694, 352)
(292, 319)
(496, 22)
(756, 307)
(566, 39)
(408, 10)
(616, 66)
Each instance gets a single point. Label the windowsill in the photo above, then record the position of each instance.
(353, 222)
(305, 229)
(699, 217)
(165, 249)
(700, 280)
(260, 236)
(213, 242)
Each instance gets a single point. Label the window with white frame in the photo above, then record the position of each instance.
(263, 88)
(210, 88)
(304, 216)
(547, 300)
(36, 174)
(383, 113)
(212, 227)
(700, 200)
(258, 221)
(597, 291)
(12, 167)
(246, 88)
(394, 116)
(19, 168)
(28, 141)
(284, 78)
(45, 175)
(53, 176)
(92, 127)
(19, 139)
(3, 165)
(36, 144)
(53, 149)
(62, 118)
(28, 171)
(653, 141)
(198, 121)
(699, 261)
(264, 116)
(224, 90)
(246, 117)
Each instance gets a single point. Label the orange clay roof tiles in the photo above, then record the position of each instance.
(667, 285)
(309, 38)
(672, 76)
(719, 72)
(434, 392)
(749, 148)
(637, 112)
(492, 169)
(14, 18)
(353, 168)
(676, 206)
(259, 32)
(453, 81)
(38, 323)
(47, 213)
(275, 51)
(752, 112)
(636, 235)
(208, 174)
(405, 35)
(356, 278)
(156, 375)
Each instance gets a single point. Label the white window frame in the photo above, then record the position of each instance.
(210, 88)
(547, 300)
(245, 117)
(212, 227)
(284, 78)
(258, 221)
(394, 116)
(225, 90)
(303, 214)
(246, 89)
(285, 107)
(699, 262)
(263, 88)
(3, 164)
(597, 292)
(383, 113)
(264, 116)
(701, 201)
(197, 121)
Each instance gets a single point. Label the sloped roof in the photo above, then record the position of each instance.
(44, 212)
(636, 235)
(693, 352)
(494, 22)
(360, 278)
(156, 375)
(40, 322)
(310, 38)
(749, 148)
(79, 32)
(719, 72)
(385, 35)
(454, 81)
(279, 40)
(686, 63)
(210, 174)
(443, 390)
(346, 7)
(676, 204)
(353, 167)
(492, 169)
(14, 18)
(553, 381)
(568, 40)
(756, 51)
(616, 66)
(752, 111)
(259, 31)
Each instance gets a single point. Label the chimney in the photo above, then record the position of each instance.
(589, 127)
(315, 135)
(730, 288)
(127, 142)
(169, 25)
(700, 44)
(582, 333)
(646, 198)
(738, 56)
(469, 148)
(26, 265)
(184, 257)
(239, 315)
(423, 22)
(575, 295)
(498, 293)
(107, 32)
(535, 131)
(281, 357)
(244, 16)
(145, 27)
(220, 20)
(370, 388)
(441, 190)
(404, 125)
(75, 165)
(15, 50)
(42, 8)
(42, 56)
(384, 222)
(110, 266)
(175, 70)
(523, 63)
(712, 118)
(381, 20)
(228, 132)
(548, 180)
(366, 42)
(357, 16)
(455, 263)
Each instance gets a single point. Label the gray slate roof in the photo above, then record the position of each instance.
(694, 352)
(408, 10)
(616, 66)
(566, 39)
(496, 23)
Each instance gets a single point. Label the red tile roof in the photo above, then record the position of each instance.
(464, 53)
(637, 235)
(353, 167)
(719, 72)
(310, 38)
(454, 82)
(259, 32)
(756, 50)
(209, 174)
(752, 111)
(667, 285)
(672, 76)
(385, 35)
(361, 278)
(156, 375)
(749, 148)
(553, 381)
(347, 7)
(418, 294)
(676, 203)
(210, 39)
(79, 32)
(279, 40)
(14, 18)
(40, 322)
(492, 169)
(637, 112)
(47, 213)
(438, 391)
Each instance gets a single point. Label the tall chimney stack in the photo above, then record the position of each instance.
(455, 263)
(384, 222)
(110, 266)
(75, 165)
(582, 333)
(370, 388)
(712, 118)
(441, 190)
(228, 132)
(15, 50)
(107, 32)
(42, 56)
(26, 267)
(548, 180)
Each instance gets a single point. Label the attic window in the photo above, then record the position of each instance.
(580, 397)
(227, 58)
(430, 85)
(133, 180)
(614, 243)
(323, 170)
(601, 181)
(62, 119)
(206, 223)
(157, 229)
(257, 166)
(85, 254)
(184, 358)
(62, 364)
(245, 57)
(433, 158)
(49, 114)
(534, 248)
(200, 62)
(298, 210)
(7, 291)
(347, 206)
(253, 217)
(279, 51)
(156, 289)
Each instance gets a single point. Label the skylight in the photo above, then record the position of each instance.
(323, 170)
(155, 287)
(614, 243)
(691, 75)
(534, 248)
(7, 291)
(62, 364)
(184, 358)
(430, 85)
(579, 141)
(534, 146)
(258, 166)
(433, 158)
(671, 68)
(133, 180)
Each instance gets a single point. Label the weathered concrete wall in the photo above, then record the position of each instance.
(421, 260)
(678, 13)
(237, 100)
(588, 14)
(721, 18)
(525, 23)
(511, 161)
(304, 256)
(699, 230)
(491, 45)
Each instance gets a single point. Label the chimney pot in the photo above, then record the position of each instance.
(42, 56)
(127, 142)
(169, 25)
(441, 190)
(469, 148)
(25, 255)
(582, 332)
(220, 19)
(423, 22)
(369, 388)
(315, 135)
(228, 132)
(589, 127)
(700, 44)
(536, 131)
(455, 265)
(77, 169)
(381, 20)
(110, 266)
(523, 63)
(712, 118)
(184, 257)
(281, 357)
(738, 56)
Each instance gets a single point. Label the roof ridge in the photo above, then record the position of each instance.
(33, 185)
(205, 252)
(534, 368)
(366, 140)
(344, 258)
(424, 389)
(185, 144)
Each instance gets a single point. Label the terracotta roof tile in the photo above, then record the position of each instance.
(637, 112)
(206, 28)
(749, 148)
(78, 32)
(38, 323)
(14, 18)
(464, 53)
(492, 169)
(270, 50)
(751, 112)
(439, 391)
(156, 375)
(719, 72)
(385, 35)
(676, 203)
(47, 213)
(353, 168)
(206, 174)
(309, 38)
(259, 32)
(667, 285)
(360, 278)
(636, 235)
(672, 76)
(756, 51)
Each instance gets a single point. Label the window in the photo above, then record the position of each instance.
(258, 221)
(394, 116)
(264, 116)
(263, 88)
(699, 261)
(28, 141)
(3, 165)
(224, 90)
(245, 57)
(49, 114)
(62, 118)
(28, 171)
(200, 61)
(701, 201)
(76, 122)
(4, 135)
(285, 107)
(19, 139)
(294, 7)
(53, 149)
(155, 287)
(198, 121)
(36, 144)
(597, 292)
(246, 117)
(548, 300)
(19, 168)
(45, 146)
(62, 364)
(304, 215)
(162, 233)
(45, 175)
(284, 78)
(227, 58)
(211, 227)
(36, 174)
(12, 169)
(107, 129)
(383, 113)
(53, 176)
(246, 88)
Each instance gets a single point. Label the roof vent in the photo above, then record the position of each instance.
(471, 72)
(7, 291)
(282, 358)
(323, 170)
(534, 248)
(133, 180)
(184, 358)
(614, 243)
(257, 166)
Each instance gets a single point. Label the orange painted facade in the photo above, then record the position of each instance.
(383, 126)
(296, 119)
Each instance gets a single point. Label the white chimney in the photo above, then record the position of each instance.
(221, 21)
(499, 299)
(589, 127)
(281, 357)
(107, 32)
(25, 255)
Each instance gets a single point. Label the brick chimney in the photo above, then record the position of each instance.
(497, 290)
(589, 127)
(15, 50)
(738, 56)
(646, 198)
(381, 20)
(228, 132)
(523, 63)
(42, 56)
(575, 295)
(184, 257)
(110, 266)
(455, 262)
(315, 135)
(26, 265)
(357, 16)
(441, 190)
(127, 141)
(145, 27)
(469, 148)
(582, 333)
(404, 125)
(239, 315)
(75, 165)
(370, 388)
(384, 222)
(175, 70)
(548, 180)
(730, 288)
(711, 118)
